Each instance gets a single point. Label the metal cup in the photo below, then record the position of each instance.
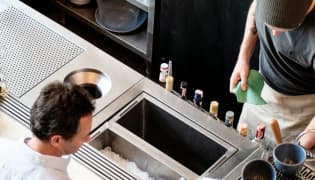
(258, 169)
(289, 158)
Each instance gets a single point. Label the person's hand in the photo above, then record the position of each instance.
(308, 139)
(240, 73)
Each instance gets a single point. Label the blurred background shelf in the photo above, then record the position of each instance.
(136, 41)
(142, 4)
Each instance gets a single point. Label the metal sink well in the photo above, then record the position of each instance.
(130, 152)
(183, 143)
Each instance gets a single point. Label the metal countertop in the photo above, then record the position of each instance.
(34, 51)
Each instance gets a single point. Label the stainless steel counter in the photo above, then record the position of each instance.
(35, 51)
(238, 149)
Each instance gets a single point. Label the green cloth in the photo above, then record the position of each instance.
(252, 95)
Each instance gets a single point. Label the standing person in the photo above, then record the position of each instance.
(60, 122)
(285, 30)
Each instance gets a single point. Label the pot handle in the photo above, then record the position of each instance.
(309, 154)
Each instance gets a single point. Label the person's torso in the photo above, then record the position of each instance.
(287, 60)
(18, 163)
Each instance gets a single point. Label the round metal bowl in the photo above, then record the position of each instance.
(94, 81)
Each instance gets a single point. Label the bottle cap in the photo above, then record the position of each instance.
(243, 129)
(229, 118)
(260, 131)
(229, 114)
(199, 92)
(198, 97)
(214, 107)
(183, 84)
(164, 67)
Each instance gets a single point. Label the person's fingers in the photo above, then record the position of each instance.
(233, 81)
(243, 85)
(244, 81)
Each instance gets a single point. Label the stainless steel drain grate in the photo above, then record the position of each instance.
(304, 174)
(30, 51)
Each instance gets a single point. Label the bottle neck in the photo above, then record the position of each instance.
(170, 69)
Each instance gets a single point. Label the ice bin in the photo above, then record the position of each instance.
(146, 127)
(173, 137)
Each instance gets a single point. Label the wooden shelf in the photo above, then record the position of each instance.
(136, 41)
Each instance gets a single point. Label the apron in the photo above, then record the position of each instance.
(292, 112)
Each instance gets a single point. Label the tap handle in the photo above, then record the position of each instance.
(276, 131)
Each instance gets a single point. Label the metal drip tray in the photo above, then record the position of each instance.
(30, 51)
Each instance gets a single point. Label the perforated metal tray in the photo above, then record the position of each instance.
(30, 51)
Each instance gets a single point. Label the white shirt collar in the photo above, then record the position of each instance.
(53, 162)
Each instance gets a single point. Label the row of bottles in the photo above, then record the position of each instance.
(166, 80)
(260, 130)
(244, 131)
(258, 138)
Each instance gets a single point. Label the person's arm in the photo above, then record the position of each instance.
(308, 140)
(247, 48)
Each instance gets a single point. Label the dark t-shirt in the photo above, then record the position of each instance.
(287, 61)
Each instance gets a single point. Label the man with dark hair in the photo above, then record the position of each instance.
(286, 33)
(61, 119)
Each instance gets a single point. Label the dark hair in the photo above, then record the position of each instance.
(58, 110)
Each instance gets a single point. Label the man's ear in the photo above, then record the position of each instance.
(55, 140)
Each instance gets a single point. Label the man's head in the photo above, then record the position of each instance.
(62, 116)
(286, 14)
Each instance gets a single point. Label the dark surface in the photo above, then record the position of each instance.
(202, 38)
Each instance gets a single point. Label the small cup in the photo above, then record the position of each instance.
(289, 158)
(258, 169)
